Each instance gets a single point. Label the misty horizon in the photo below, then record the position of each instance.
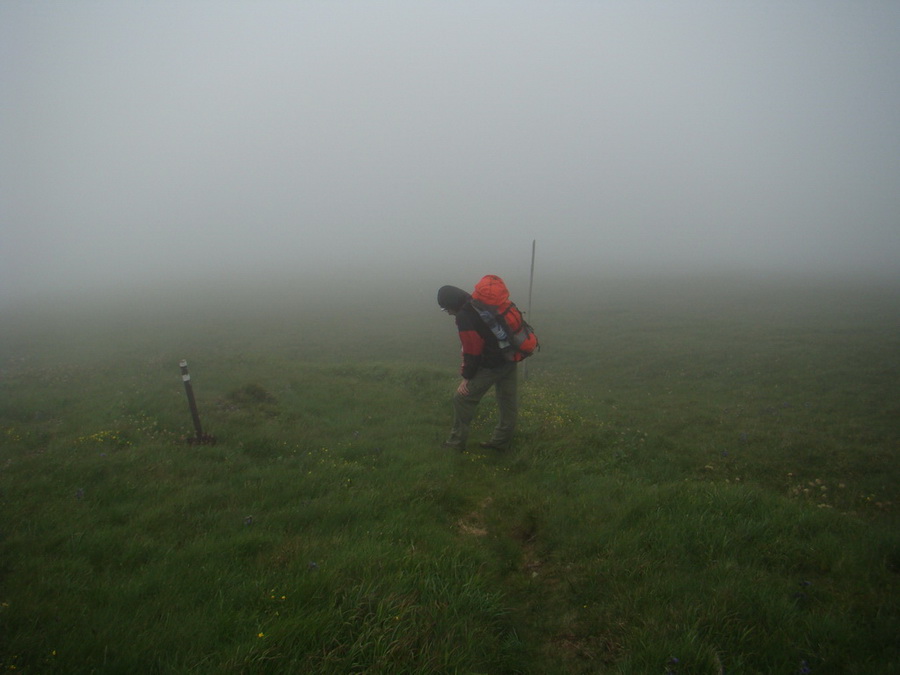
(144, 144)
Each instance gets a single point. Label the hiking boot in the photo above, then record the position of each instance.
(450, 445)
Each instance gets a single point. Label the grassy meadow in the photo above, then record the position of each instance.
(705, 480)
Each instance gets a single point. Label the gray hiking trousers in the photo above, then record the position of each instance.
(504, 379)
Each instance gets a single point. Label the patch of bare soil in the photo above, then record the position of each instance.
(473, 523)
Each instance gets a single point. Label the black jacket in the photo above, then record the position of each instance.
(479, 345)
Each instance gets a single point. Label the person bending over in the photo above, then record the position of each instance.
(483, 367)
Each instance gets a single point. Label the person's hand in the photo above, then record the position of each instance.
(463, 388)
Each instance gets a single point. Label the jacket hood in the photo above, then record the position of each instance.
(451, 297)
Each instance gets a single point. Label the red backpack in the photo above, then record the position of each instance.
(491, 300)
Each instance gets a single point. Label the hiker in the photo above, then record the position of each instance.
(483, 366)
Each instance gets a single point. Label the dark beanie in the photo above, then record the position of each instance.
(451, 297)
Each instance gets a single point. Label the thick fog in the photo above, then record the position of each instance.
(147, 142)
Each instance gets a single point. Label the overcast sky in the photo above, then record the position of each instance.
(140, 141)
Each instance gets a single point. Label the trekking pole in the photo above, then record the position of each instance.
(530, 287)
(192, 403)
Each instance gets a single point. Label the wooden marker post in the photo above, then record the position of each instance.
(192, 403)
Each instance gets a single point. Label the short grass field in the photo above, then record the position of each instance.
(705, 480)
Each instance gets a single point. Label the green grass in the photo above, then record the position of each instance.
(705, 480)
